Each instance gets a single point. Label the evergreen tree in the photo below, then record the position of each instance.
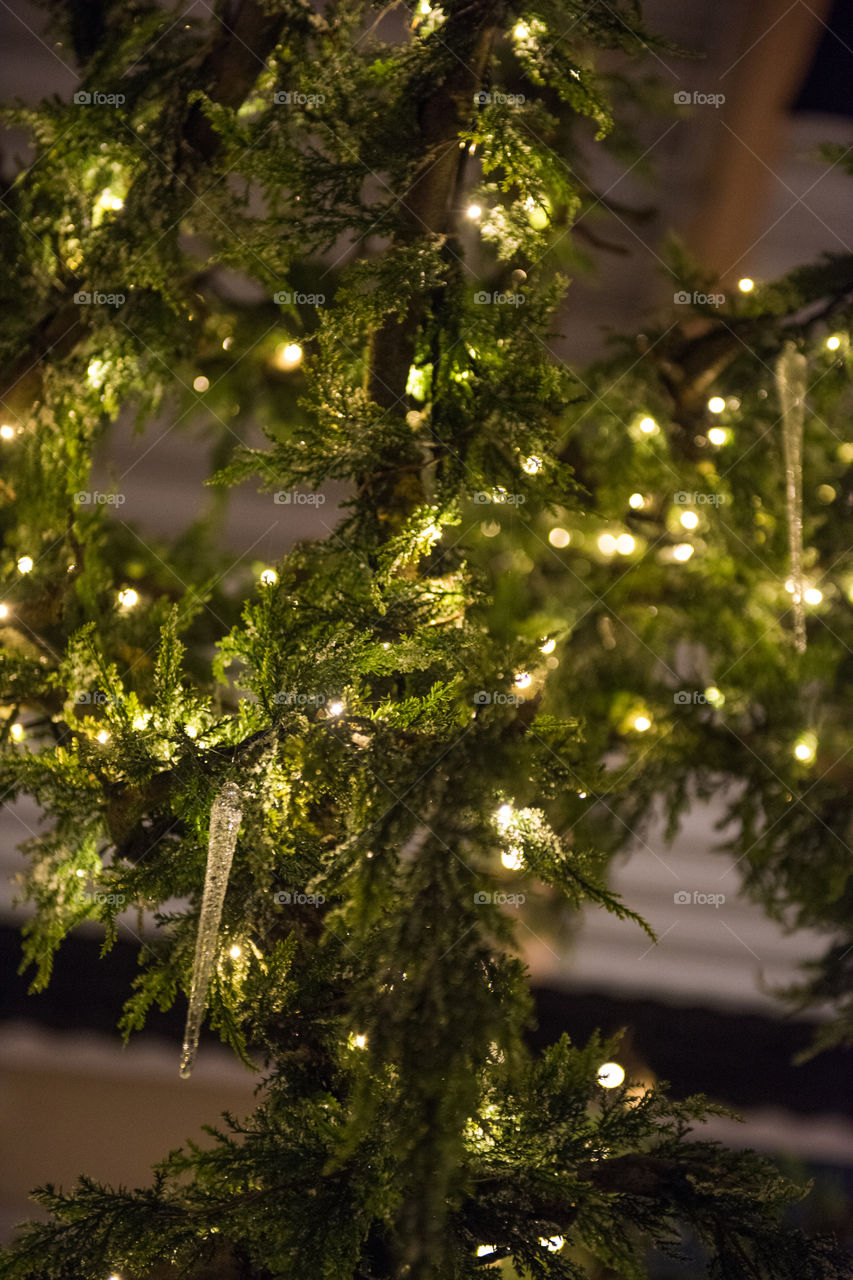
(474, 684)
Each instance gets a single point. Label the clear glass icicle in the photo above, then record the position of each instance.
(791, 370)
(226, 813)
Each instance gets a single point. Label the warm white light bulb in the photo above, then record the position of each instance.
(201, 383)
(7, 432)
(511, 858)
(635, 501)
(689, 519)
(648, 426)
(288, 356)
(716, 404)
(503, 817)
(625, 544)
(805, 749)
(552, 1243)
(521, 31)
(532, 465)
(523, 680)
(269, 577)
(717, 435)
(26, 564)
(102, 736)
(335, 708)
(473, 212)
(4, 611)
(128, 597)
(642, 723)
(549, 646)
(16, 732)
(812, 595)
(746, 285)
(833, 342)
(360, 1041)
(559, 537)
(682, 552)
(607, 544)
(235, 952)
(610, 1074)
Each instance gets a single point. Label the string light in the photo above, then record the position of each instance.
(485, 1250)
(552, 1243)
(503, 817)
(102, 736)
(235, 952)
(713, 695)
(359, 1041)
(833, 342)
(610, 1074)
(26, 564)
(226, 343)
(532, 465)
(127, 597)
(523, 680)
(746, 285)
(511, 858)
(4, 611)
(6, 432)
(473, 212)
(201, 383)
(559, 537)
(625, 544)
(805, 749)
(648, 426)
(549, 646)
(718, 435)
(96, 373)
(636, 501)
(607, 544)
(689, 519)
(269, 577)
(521, 31)
(812, 595)
(16, 732)
(716, 404)
(288, 356)
(108, 201)
(141, 720)
(682, 552)
(642, 723)
(336, 708)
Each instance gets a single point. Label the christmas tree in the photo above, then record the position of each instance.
(553, 600)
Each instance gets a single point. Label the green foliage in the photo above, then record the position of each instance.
(435, 708)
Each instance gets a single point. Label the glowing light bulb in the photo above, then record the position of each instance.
(689, 519)
(360, 1041)
(26, 564)
(812, 595)
(474, 211)
(485, 1250)
(128, 597)
(549, 646)
(190, 730)
(805, 749)
(625, 544)
(582, 795)
(102, 736)
(610, 1074)
(141, 720)
(288, 356)
(108, 200)
(269, 577)
(7, 432)
(226, 343)
(716, 404)
(16, 732)
(503, 817)
(607, 544)
(833, 342)
(682, 552)
(235, 952)
(96, 373)
(648, 426)
(746, 285)
(521, 31)
(201, 383)
(335, 708)
(715, 696)
(523, 680)
(559, 537)
(642, 723)
(717, 435)
(511, 858)
(552, 1243)
(635, 501)
(532, 465)
(4, 611)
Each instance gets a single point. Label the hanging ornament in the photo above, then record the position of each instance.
(791, 370)
(226, 813)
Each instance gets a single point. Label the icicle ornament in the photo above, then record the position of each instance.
(791, 368)
(226, 813)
